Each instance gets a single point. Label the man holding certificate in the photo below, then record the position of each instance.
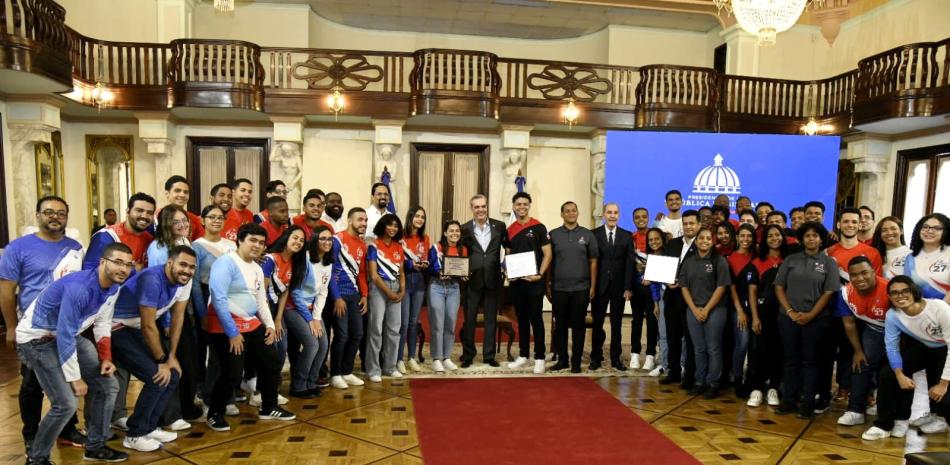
(675, 313)
(529, 254)
(572, 281)
(484, 239)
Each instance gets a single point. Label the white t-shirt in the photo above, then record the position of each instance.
(372, 217)
(894, 262)
(670, 226)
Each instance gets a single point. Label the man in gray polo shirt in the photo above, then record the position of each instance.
(571, 284)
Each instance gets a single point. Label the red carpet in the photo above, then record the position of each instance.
(525, 421)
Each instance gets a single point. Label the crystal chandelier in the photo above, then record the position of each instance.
(224, 5)
(765, 18)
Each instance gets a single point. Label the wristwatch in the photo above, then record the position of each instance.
(163, 359)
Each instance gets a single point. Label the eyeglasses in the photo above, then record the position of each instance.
(179, 222)
(120, 263)
(214, 218)
(57, 213)
(900, 293)
(934, 228)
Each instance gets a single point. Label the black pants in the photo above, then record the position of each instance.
(31, 405)
(570, 310)
(894, 403)
(676, 333)
(766, 353)
(837, 364)
(182, 404)
(598, 308)
(643, 310)
(803, 357)
(528, 299)
(256, 352)
(489, 299)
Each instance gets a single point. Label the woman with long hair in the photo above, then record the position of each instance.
(656, 242)
(889, 241)
(765, 347)
(740, 262)
(444, 296)
(704, 278)
(416, 245)
(804, 285)
(173, 229)
(929, 261)
(311, 294)
(387, 288)
(285, 265)
(725, 238)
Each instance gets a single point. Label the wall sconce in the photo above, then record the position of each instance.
(336, 102)
(100, 96)
(570, 113)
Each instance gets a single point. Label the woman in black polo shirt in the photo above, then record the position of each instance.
(704, 277)
(765, 349)
(804, 285)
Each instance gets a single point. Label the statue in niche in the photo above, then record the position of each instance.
(598, 180)
(511, 166)
(288, 156)
(386, 161)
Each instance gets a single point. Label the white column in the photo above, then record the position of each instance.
(286, 158)
(515, 141)
(387, 139)
(598, 170)
(870, 157)
(742, 55)
(173, 19)
(29, 124)
(157, 130)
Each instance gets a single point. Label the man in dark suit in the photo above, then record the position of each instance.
(485, 238)
(675, 307)
(614, 285)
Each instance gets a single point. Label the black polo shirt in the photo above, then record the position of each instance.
(702, 275)
(572, 249)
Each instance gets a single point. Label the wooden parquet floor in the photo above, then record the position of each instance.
(375, 424)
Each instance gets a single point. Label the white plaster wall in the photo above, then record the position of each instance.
(266, 24)
(558, 170)
(7, 154)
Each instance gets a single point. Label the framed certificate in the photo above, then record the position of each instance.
(661, 269)
(519, 265)
(455, 266)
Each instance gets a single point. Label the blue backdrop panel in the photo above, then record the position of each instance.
(786, 171)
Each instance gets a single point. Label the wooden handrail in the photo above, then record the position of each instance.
(42, 21)
(118, 63)
(218, 61)
(912, 67)
(455, 70)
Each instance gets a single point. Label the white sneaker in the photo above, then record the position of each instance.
(921, 421)
(875, 434)
(337, 382)
(401, 367)
(851, 419)
(649, 363)
(872, 410)
(141, 444)
(772, 398)
(414, 365)
(755, 399)
(376, 379)
(449, 365)
(281, 400)
(437, 366)
(179, 425)
(231, 410)
(635, 362)
(539, 367)
(254, 400)
(122, 424)
(161, 435)
(352, 380)
(658, 371)
(249, 385)
(937, 426)
(900, 428)
(519, 363)
(395, 374)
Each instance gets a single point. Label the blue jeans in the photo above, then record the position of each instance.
(129, 351)
(314, 350)
(707, 345)
(382, 335)
(862, 382)
(742, 338)
(411, 306)
(43, 358)
(661, 337)
(347, 332)
(444, 298)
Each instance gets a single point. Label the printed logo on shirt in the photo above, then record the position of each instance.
(899, 262)
(933, 330)
(709, 267)
(581, 240)
(748, 276)
(939, 266)
(819, 267)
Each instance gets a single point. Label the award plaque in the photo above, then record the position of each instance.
(455, 266)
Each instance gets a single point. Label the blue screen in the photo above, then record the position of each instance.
(786, 171)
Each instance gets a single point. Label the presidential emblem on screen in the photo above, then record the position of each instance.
(717, 179)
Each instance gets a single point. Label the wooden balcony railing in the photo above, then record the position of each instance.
(911, 80)
(34, 38)
(558, 80)
(454, 82)
(216, 73)
(680, 96)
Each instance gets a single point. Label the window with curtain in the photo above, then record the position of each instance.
(444, 178)
(922, 184)
(212, 161)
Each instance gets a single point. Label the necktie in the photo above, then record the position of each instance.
(610, 238)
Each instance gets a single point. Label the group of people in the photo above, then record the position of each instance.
(204, 309)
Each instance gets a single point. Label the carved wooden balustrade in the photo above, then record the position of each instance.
(34, 39)
(911, 80)
(217, 74)
(136, 73)
(677, 96)
(454, 82)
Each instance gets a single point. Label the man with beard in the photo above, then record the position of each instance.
(132, 232)
(177, 192)
(68, 365)
(278, 218)
(349, 277)
(312, 215)
(143, 300)
(334, 213)
(239, 214)
(275, 188)
(866, 230)
(29, 264)
(376, 209)
(221, 197)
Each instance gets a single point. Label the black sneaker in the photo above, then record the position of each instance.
(276, 413)
(323, 382)
(821, 406)
(710, 393)
(316, 392)
(38, 462)
(218, 423)
(671, 380)
(105, 454)
(560, 366)
(806, 413)
(72, 437)
(492, 363)
(466, 363)
(785, 408)
(305, 394)
(696, 390)
(576, 369)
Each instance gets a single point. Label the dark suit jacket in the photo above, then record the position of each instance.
(674, 248)
(485, 265)
(615, 265)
